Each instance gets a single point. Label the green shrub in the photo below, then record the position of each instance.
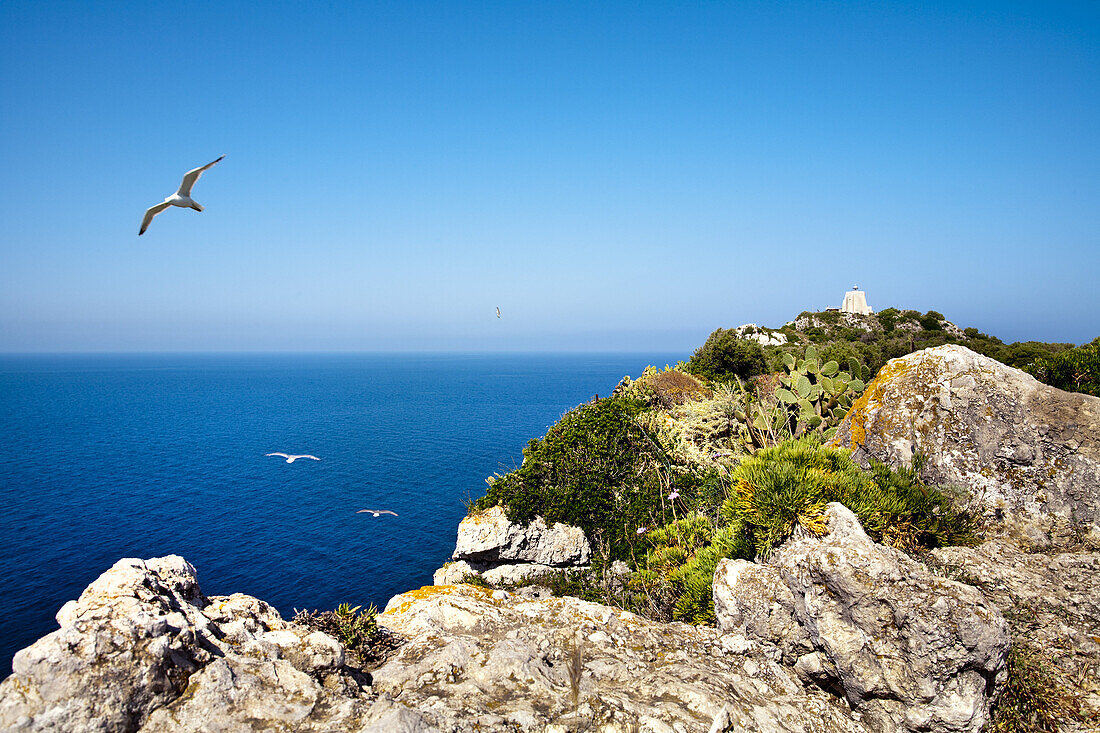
(930, 323)
(888, 319)
(725, 356)
(355, 628)
(778, 488)
(598, 469)
(693, 582)
(1074, 370)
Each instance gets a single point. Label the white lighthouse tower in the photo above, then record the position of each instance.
(855, 301)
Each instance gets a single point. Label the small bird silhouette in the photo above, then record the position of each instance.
(290, 458)
(376, 512)
(498, 311)
(181, 198)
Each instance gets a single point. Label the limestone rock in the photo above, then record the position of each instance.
(1051, 603)
(751, 600)
(126, 647)
(764, 336)
(491, 660)
(1028, 450)
(144, 649)
(489, 537)
(503, 552)
(911, 650)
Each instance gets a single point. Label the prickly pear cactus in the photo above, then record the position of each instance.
(817, 395)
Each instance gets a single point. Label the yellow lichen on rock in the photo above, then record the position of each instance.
(402, 603)
(870, 399)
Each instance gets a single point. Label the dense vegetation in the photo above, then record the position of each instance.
(673, 473)
(726, 355)
(724, 457)
(783, 487)
(874, 339)
(599, 468)
(1074, 370)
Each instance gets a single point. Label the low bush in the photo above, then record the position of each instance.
(355, 628)
(725, 356)
(789, 485)
(930, 323)
(1074, 370)
(598, 469)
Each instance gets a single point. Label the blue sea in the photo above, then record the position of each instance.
(111, 456)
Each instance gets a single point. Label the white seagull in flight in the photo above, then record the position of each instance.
(181, 198)
(376, 512)
(290, 458)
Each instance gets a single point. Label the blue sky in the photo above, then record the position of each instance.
(613, 176)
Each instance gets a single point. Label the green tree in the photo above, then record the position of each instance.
(725, 356)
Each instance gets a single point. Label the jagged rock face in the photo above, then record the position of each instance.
(1026, 449)
(144, 649)
(491, 660)
(1052, 602)
(503, 552)
(911, 650)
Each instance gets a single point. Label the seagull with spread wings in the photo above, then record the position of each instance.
(181, 198)
(376, 512)
(291, 458)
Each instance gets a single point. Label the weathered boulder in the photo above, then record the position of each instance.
(1052, 605)
(478, 659)
(144, 649)
(489, 537)
(1029, 451)
(504, 552)
(751, 600)
(911, 650)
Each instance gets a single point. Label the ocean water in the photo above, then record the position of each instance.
(111, 456)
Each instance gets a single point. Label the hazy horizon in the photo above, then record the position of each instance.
(619, 177)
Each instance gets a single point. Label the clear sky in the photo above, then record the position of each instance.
(613, 176)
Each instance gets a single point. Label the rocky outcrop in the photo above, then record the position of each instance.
(144, 649)
(503, 552)
(911, 650)
(1030, 452)
(1052, 604)
(764, 336)
(492, 660)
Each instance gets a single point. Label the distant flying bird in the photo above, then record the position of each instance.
(181, 198)
(498, 311)
(376, 512)
(289, 458)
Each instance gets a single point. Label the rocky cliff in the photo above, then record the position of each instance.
(830, 632)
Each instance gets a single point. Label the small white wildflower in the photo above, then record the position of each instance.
(674, 495)
(641, 530)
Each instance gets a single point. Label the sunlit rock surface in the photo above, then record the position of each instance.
(911, 650)
(1028, 451)
(501, 551)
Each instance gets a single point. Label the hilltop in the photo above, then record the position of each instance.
(875, 338)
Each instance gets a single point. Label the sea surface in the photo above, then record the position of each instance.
(111, 456)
